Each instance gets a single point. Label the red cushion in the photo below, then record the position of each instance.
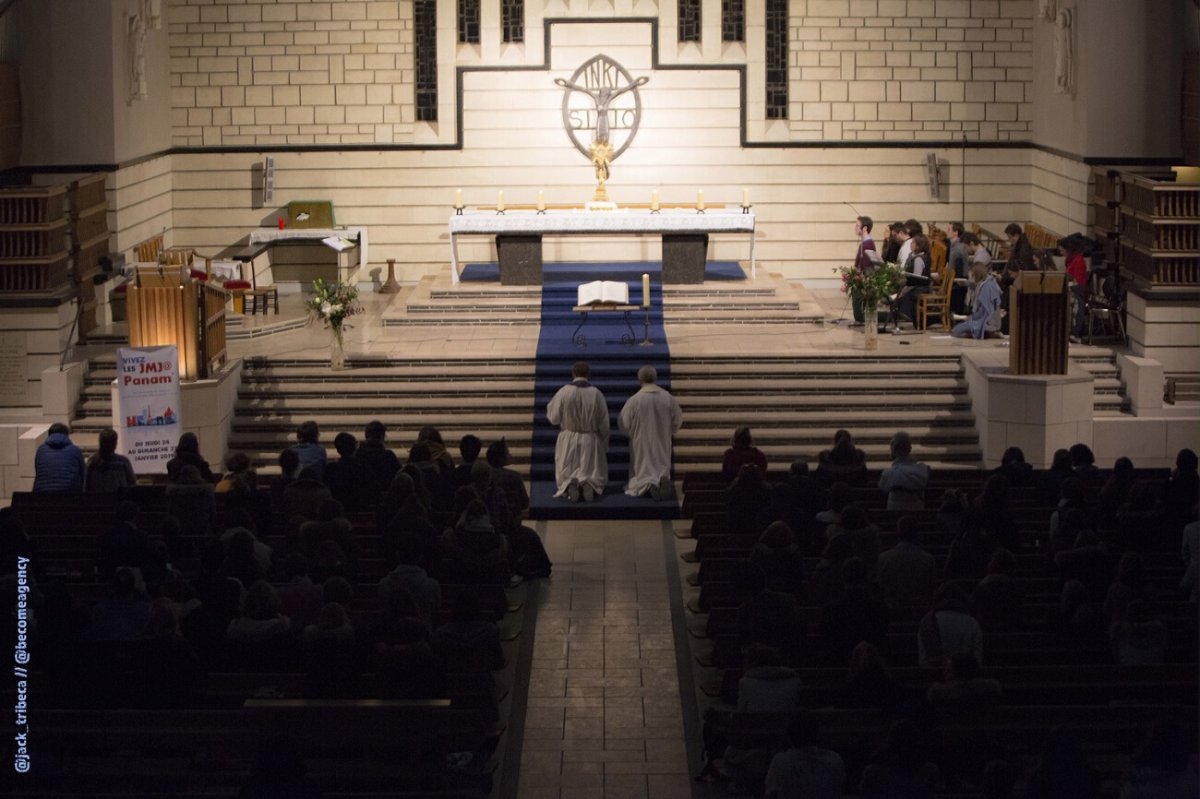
(237, 284)
(199, 275)
(121, 289)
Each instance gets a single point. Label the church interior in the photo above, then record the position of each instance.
(381, 219)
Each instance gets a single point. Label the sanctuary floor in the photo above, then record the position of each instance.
(368, 336)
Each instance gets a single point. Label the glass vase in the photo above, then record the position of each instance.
(337, 351)
(871, 328)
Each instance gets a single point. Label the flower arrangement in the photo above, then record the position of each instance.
(874, 286)
(332, 303)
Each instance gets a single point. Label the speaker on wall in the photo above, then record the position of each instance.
(931, 174)
(268, 179)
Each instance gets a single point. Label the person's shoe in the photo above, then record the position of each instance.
(663, 490)
(573, 491)
(589, 493)
(856, 324)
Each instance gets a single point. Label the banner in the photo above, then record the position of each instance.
(147, 412)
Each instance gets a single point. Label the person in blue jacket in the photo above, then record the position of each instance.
(58, 464)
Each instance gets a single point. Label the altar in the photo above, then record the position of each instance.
(519, 237)
(300, 255)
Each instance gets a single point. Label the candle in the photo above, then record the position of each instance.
(654, 200)
(500, 200)
(458, 200)
(541, 201)
(645, 290)
(700, 200)
(745, 198)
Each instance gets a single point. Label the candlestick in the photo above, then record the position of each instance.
(645, 290)
(458, 202)
(654, 201)
(500, 201)
(745, 198)
(700, 200)
(541, 205)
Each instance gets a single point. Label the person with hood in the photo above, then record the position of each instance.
(108, 472)
(581, 448)
(58, 464)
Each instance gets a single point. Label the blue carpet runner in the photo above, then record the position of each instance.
(614, 365)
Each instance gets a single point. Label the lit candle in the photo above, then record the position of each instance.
(700, 200)
(541, 201)
(645, 290)
(745, 198)
(654, 200)
(500, 200)
(458, 200)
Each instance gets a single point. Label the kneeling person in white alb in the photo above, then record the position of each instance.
(650, 418)
(580, 453)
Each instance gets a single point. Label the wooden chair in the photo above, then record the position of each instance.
(149, 250)
(936, 302)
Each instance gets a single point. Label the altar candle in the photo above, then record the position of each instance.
(458, 200)
(541, 201)
(745, 198)
(500, 200)
(654, 200)
(700, 200)
(645, 290)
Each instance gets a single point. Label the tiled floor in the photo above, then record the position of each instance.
(604, 714)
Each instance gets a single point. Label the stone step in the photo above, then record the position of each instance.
(286, 424)
(850, 369)
(830, 387)
(846, 404)
(933, 417)
(333, 391)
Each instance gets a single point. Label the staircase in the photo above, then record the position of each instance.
(1108, 397)
(792, 404)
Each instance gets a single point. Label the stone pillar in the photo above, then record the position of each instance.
(1038, 413)
(1164, 324)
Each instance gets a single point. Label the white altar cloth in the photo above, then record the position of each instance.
(359, 234)
(598, 222)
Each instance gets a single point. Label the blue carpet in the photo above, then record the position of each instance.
(614, 371)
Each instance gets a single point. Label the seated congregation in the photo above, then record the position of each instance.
(916, 632)
(276, 611)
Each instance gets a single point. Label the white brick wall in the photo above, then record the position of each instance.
(290, 72)
(930, 68)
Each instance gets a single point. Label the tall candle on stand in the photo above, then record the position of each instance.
(541, 201)
(458, 200)
(745, 198)
(700, 200)
(500, 200)
(645, 290)
(654, 200)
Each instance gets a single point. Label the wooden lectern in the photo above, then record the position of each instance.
(1039, 323)
(167, 308)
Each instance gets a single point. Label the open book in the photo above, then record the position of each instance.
(602, 292)
(337, 242)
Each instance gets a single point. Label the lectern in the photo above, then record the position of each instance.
(1039, 323)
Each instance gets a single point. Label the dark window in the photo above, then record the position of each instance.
(512, 21)
(425, 46)
(733, 20)
(777, 59)
(469, 12)
(689, 20)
